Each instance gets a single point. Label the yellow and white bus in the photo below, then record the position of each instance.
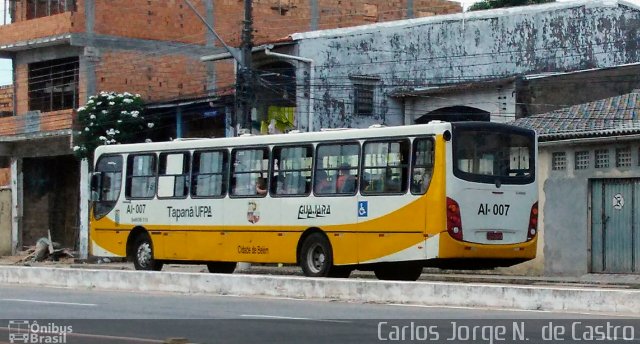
(387, 199)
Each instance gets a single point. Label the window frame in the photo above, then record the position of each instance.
(365, 89)
(337, 168)
(186, 161)
(100, 201)
(225, 173)
(232, 173)
(273, 186)
(556, 159)
(406, 166)
(40, 95)
(130, 176)
(413, 164)
(580, 163)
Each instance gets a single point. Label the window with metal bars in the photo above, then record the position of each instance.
(53, 84)
(363, 98)
(45, 8)
(558, 161)
(582, 160)
(623, 157)
(602, 158)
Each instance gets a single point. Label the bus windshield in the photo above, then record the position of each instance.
(492, 156)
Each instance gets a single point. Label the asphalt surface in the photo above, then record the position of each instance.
(96, 316)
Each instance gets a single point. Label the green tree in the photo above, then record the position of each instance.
(489, 4)
(110, 118)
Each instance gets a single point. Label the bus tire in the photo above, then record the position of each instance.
(316, 256)
(143, 254)
(222, 267)
(398, 272)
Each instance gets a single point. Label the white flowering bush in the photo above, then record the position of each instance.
(110, 118)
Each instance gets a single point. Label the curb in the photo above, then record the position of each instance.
(478, 295)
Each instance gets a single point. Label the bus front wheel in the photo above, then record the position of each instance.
(143, 255)
(316, 257)
(221, 267)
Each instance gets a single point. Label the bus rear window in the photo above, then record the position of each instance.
(488, 156)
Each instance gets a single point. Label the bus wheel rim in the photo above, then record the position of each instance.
(144, 254)
(316, 258)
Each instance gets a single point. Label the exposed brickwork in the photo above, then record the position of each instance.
(156, 77)
(11, 125)
(6, 99)
(21, 89)
(165, 74)
(47, 26)
(48, 121)
(168, 20)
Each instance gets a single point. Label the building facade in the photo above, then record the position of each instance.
(589, 178)
(64, 51)
(493, 65)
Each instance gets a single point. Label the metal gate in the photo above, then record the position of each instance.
(615, 226)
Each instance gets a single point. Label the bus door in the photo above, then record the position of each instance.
(252, 217)
(290, 189)
(334, 205)
(209, 187)
(390, 211)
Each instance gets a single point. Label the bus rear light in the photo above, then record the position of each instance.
(454, 221)
(533, 222)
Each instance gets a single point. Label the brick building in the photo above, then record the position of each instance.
(63, 51)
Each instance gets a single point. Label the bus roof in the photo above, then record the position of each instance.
(434, 127)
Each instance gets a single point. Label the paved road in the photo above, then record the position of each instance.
(122, 317)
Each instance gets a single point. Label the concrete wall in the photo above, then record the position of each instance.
(564, 203)
(444, 50)
(5, 221)
(499, 101)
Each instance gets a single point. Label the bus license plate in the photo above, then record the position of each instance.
(494, 235)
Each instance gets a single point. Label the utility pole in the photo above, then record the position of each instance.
(244, 81)
(245, 95)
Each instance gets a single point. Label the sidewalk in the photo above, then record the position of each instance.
(626, 281)
(474, 291)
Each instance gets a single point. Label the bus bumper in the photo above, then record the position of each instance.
(452, 248)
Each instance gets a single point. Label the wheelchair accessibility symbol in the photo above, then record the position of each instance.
(363, 209)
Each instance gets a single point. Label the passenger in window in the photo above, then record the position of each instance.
(261, 186)
(323, 185)
(420, 181)
(345, 183)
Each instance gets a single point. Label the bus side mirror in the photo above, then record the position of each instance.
(96, 186)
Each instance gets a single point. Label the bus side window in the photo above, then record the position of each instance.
(209, 175)
(249, 172)
(421, 165)
(173, 179)
(141, 176)
(385, 167)
(337, 168)
(292, 170)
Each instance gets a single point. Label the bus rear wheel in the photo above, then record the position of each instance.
(398, 272)
(142, 255)
(316, 256)
(222, 267)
